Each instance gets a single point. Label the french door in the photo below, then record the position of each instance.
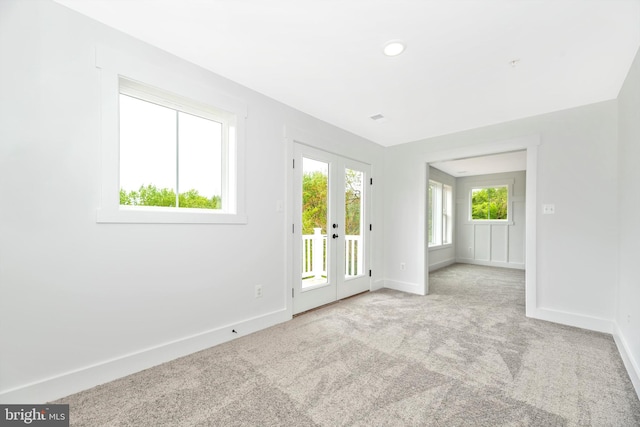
(331, 229)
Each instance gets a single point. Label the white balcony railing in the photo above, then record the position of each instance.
(314, 256)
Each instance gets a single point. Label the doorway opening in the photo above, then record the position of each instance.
(528, 146)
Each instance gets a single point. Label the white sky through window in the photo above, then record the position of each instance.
(311, 165)
(148, 150)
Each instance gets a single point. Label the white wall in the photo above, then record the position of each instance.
(492, 244)
(82, 303)
(628, 295)
(441, 256)
(576, 251)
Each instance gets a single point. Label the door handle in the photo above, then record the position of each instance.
(335, 236)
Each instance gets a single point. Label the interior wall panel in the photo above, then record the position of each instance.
(494, 244)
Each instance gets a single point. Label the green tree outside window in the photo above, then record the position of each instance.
(165, 197)
(489, 203)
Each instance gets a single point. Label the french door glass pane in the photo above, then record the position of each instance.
(353, 217)
(315, 202)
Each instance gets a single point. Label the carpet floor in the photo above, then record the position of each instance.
(465, 355)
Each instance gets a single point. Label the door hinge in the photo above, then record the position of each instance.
(294, 163)
(293, 228)
(292, 293)
(370, 227)
(369, 273)
(370, 181)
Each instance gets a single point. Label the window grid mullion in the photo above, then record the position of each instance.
(177, 159)
(442, 218)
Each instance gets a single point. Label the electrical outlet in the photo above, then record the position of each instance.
(258, 291)
(403, 266)
(548, 209)
(628, 318)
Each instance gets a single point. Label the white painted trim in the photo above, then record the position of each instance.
(514, 144)
(531, 215)
(599, 325)
(159, 215)
(412, 288)
(62, 385)
(441, 247)
(288, 221)
(501, 264)
(424, 229)
(376, 285)
(631, 364)
(529, 143)
(582, 321)
(442, 264)
(113, 67)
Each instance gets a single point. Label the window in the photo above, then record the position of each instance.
(172, 151)
(172, 145)
(440, 214)
(490, 203)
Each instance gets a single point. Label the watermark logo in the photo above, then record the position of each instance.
(34, 415)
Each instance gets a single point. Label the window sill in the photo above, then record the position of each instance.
(490, 222)
(440, 247)
(166, 216)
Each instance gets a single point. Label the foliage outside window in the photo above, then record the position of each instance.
(172, 153)
(315, 204)
(314, 201)
(490, 203)
(353, 201)
(440, 227)
(315, 187)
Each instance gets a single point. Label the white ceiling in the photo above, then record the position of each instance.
(495, 163)
(325, 57)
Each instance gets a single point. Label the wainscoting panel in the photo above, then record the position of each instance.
(517, 233)
(482, 242)
(494, 244)
(499, 243)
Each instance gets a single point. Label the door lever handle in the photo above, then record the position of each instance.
(335, 236)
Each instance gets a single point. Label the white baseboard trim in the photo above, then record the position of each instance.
(62, 385)
(630, 363)
(599, 325)
(441, 264)
(412, 288)
(377, 285)
(515, 265)
(573, 319)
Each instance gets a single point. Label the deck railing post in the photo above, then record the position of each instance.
(317, 249)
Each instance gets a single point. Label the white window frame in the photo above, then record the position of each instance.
(490, 184)
(120, 72)
(441, 214)
(447, 215)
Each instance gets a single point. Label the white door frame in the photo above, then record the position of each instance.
(294, 136)
(530, 144)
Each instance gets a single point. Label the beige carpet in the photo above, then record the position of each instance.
(463, 356)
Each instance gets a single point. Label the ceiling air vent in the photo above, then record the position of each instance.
(378, 118)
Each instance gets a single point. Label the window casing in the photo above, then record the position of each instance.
(193, 96)
(172, 150)
(440, 227)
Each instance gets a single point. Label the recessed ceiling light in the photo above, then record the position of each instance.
(393, 47)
